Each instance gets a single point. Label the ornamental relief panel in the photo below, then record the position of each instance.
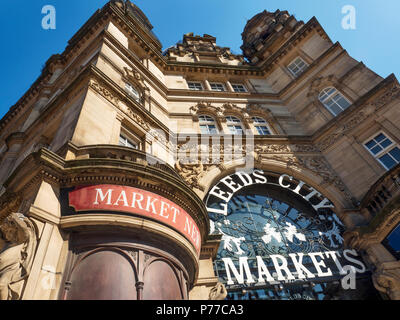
(207, 158)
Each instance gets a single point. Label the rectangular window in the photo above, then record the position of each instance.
(125, 142)
(297, 67)
(217, 87)
(384, 150)
(238, 87)
(197, 86)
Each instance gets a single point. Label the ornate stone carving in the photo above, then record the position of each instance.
(387, 282)
(317, 164)
(16, 255)
(104, 92)
(160, 136)
(218, 292)
(206, 107)
(191, 173)
(272, 148)
(138, 119)
(135, 78)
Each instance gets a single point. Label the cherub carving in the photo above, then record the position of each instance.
(17, 249)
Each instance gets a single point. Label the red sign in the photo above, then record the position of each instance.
(137, 202)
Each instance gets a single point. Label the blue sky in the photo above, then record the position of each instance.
(26, 46)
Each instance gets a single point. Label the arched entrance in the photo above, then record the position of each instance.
(281, 239)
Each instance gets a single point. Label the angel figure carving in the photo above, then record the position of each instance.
(17, 246)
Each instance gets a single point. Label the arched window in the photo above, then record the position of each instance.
(132, 91)
(234, 125)
(333, 100)
(207, 125)
(261, 126)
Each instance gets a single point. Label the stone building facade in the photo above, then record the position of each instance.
(112, 164)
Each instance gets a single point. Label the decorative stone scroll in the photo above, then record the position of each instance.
(16, 254)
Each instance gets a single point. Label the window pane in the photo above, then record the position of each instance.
(263, 130)
(204, 129)
(385, 143)
(343, 103)
(395, 153)
(297, 67)
(259, 120)
(370, 144)
(238, 88)
(206, 119)
(217, 87)
(335, 109)
(232, 119)
(132, 92)
(388, 161)
(380, 137)
(393, 241)
(376, 150)
(195, 86)
(235, 129)
(212, 129)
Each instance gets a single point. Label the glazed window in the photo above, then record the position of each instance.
(234, 125)
(196, 86)
(392, 242)
(333, 100)
(297, 66)
(131, 90)
(261, 126)
(126, 142)
(207, 125)
(384, 150)
(238, 87)
(217, 86)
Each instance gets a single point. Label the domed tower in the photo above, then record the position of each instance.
(266, 32)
